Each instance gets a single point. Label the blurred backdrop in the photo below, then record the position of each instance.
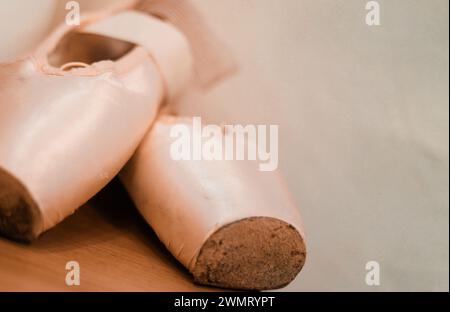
(363, 115)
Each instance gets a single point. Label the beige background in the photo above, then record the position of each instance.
(363, 115)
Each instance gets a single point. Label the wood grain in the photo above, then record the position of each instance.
(116, 250)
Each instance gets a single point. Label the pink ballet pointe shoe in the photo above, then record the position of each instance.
(73, 113)
(226, 221)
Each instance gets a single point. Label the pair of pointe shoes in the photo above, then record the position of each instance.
(83, 106)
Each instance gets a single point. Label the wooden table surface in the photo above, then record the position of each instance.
(116, 250)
